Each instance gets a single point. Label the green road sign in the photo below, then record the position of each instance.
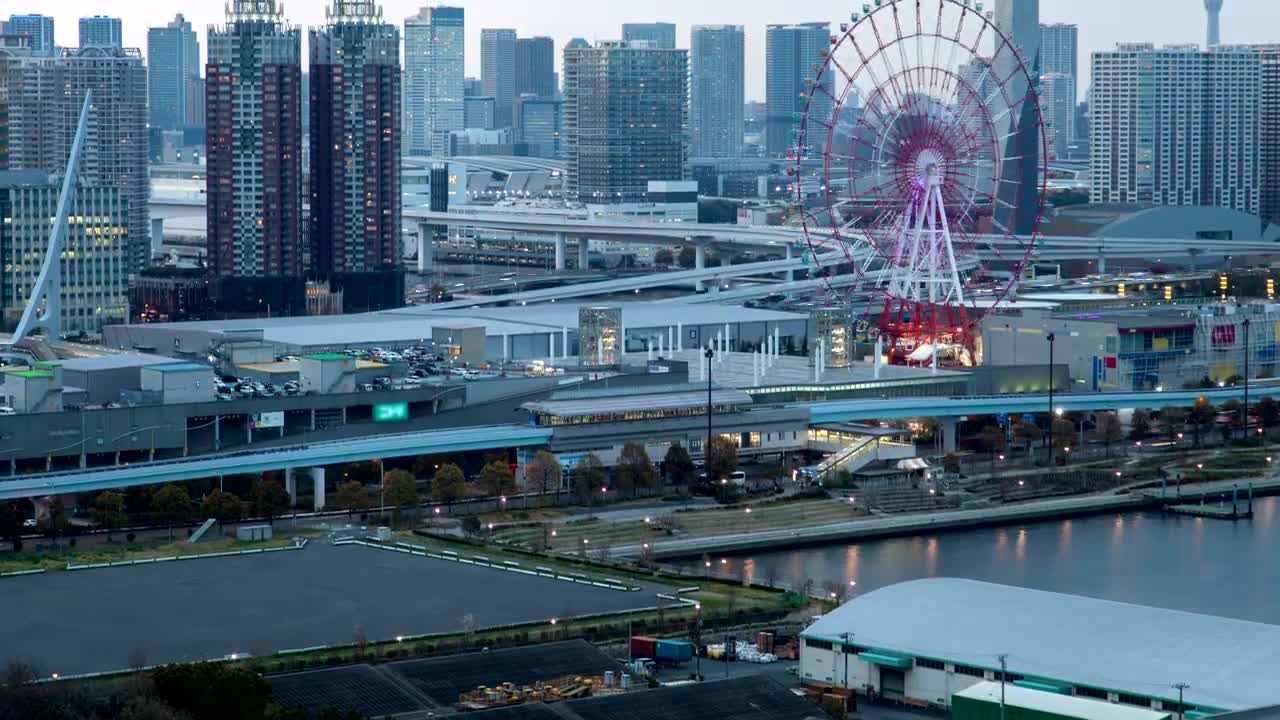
(391, 412)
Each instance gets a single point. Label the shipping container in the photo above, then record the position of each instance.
(674, 651)
(643, 646)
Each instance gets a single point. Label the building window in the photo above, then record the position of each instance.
(1134, 700)
(818, 644)
(1085, 691)
(931, 664)
(971, 671)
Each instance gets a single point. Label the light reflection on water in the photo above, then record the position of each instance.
(1209, 566)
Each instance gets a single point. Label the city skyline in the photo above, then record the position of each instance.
(1102, 24)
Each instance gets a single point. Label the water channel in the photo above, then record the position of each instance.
(1200, 565)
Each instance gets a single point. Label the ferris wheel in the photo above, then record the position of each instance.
(918, 174)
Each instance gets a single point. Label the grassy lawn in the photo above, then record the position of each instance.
(569, 536)
(56, 559)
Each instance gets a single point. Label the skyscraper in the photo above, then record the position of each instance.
(541, 126)
(577, 44)
(1269, 132)
(433, 56)
(535, 67)
(173, 73)
(661, 35)
(792, 52)
(101, 31)
(717, 95)
(498, 72)
(355, 152)
(1059, 55)
(1058, 111)
(478, 112)
(1198, 146)
(626, 113)
(38, 29)
(254, 124)
(1213, 8)
(1017, 206)
(44, 97)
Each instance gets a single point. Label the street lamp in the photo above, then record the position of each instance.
(706, 451)
(1051, 337)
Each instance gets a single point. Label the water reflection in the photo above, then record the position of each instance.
(1193, 564)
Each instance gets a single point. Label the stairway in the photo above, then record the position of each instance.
(853, 457)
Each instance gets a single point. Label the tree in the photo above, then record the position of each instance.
(1268, 412)
(1140, 425)
(213, 691)
(270, 499)
(401, 490)
(448, 484)
(951, 463)
(677, 466)
(588, 475)
(663, 257)
(543, 474)
(635, 469)
(10, 525)
(352, 496)
(688, 257)
(992, 438)
(1174, 419)
(722, 459)
(1201, 416)
(222, 506)
(1064, 431)
(496, 479)
(172, 505)
(1029, 433)
(108, 511)
(1109, 430)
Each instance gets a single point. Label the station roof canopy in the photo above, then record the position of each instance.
(619, 404)
(1230, 664)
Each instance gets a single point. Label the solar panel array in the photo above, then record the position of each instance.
(444, 679)
(353, 687)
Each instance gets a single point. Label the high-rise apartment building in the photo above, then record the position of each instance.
(174, 86)
(433, 77)
(101, 31)
(717, 90)
(44, 97)
(1058, 111)
(1269, 132)
(95, 265)
(1213, 9)
(498, 72)
(355, 150)
(792, 53)
(1176, 126)
(535, 67)
(661, 35)
(626, 113)
(39, 32)
(1060, 55)
(254, 150)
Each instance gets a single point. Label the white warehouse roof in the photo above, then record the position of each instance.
(1062, 705)
(1230, 664)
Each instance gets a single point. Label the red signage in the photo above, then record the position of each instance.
(1224, 335)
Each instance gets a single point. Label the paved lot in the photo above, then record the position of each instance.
(94, 620)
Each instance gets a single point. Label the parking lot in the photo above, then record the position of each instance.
(96, 620)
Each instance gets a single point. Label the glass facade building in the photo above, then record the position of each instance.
(498, 72)
(173, 75)
(433, 77)
(599, 336)
(791, 53)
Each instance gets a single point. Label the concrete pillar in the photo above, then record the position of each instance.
(506, 347)
(702, 368)
(679, 337)
(291, 484)
(817, 364)
(949, 434)
(878, 357)
(789, 275)
(157, 236)
(317, 480)
(426, 251)
(560, 251)
(564, 342)
(584, 257)
(699, 263)
(671, 340)
(728, 342)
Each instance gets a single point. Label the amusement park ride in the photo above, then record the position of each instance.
(921, 141)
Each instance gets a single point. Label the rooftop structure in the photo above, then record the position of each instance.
(1090, 647)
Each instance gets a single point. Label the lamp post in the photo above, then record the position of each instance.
(846, 636)
(1180, 687)
(1051, 337)
(1244, 426)
(706, 451)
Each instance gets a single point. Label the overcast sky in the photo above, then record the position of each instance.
(1102, 23)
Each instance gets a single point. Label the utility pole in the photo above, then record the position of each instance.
(1244, 425)
(1004, 666)
(1180, 687)
(706, 451)
(847, 641)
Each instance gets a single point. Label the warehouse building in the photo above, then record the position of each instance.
(923, 641)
